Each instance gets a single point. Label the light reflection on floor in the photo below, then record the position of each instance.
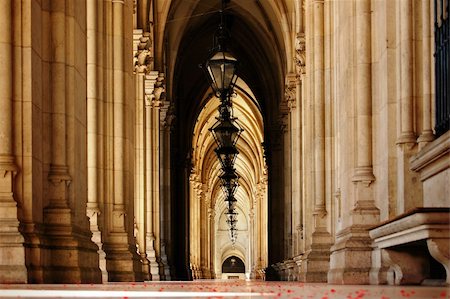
(221, 289)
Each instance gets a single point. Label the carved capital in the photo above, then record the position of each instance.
(160, 88)
(143, 58)
(300, 53)
(167, 115)
(290, 91)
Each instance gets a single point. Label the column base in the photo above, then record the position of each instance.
(12, 262)
(145, 267)
(122, 260)
(351, 257)
(12, 249)
(315, 265)
(93, 214)
(316, 261)
(165, 263)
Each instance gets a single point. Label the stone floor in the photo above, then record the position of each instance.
(221, 289)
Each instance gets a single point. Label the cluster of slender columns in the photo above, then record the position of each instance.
(365, 102)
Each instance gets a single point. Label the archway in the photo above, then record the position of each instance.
(261, 45)
(208, 231)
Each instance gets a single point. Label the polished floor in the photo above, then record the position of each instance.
(221, 289)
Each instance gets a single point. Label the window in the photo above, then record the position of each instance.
(442, 65)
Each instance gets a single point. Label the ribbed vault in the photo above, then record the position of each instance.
(260, 41)
(210, 244)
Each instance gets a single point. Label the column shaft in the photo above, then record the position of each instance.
(425, 81)
(319, 107)
(58, 91)
(6, 90)
(119, 106)
(363, 101)
(406, 73)
(12, 251)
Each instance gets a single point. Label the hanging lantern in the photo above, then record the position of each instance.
(227, 156)
(230, 181)
(225, 132)
(221, 69)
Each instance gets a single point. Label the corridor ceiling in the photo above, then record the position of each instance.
(257, 40)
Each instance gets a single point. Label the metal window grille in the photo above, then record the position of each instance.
(442, 65)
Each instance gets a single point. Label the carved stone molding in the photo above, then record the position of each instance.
(159, 91)
(300, 53)
(143, 58)
(290, 91)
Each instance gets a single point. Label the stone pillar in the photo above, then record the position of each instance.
(300, 63)
(123, 263)
(140, 69)
(291, 95)
(351, 257)
(94, 116)
(316, 260)
(166, 118)
(211, 217)
(409, 193)
(71, 256)
(196, 196)
(286, 139)
(151, 194)
(425, 64)
(12, 251)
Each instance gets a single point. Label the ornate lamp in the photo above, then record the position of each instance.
(225, 132)
(231, 202)
(221, 69)
(221, 65)
(233, 235)
(230, 182)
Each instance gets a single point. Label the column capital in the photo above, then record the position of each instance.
(300, 54)
(143, 57)
(290, 91)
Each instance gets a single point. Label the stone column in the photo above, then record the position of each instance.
(210, 232)
(119, 224)
(166, 117)
(300, 64)
(408, 191)
(12, 251)
(195, 206)
(123, 263)
(71, 256)
(291, 96)
(94, 116)
(286, 172)
(252, 256)
(424, 82)
(351, 257)
(150, 238)
(139, 169)
(316, 259)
